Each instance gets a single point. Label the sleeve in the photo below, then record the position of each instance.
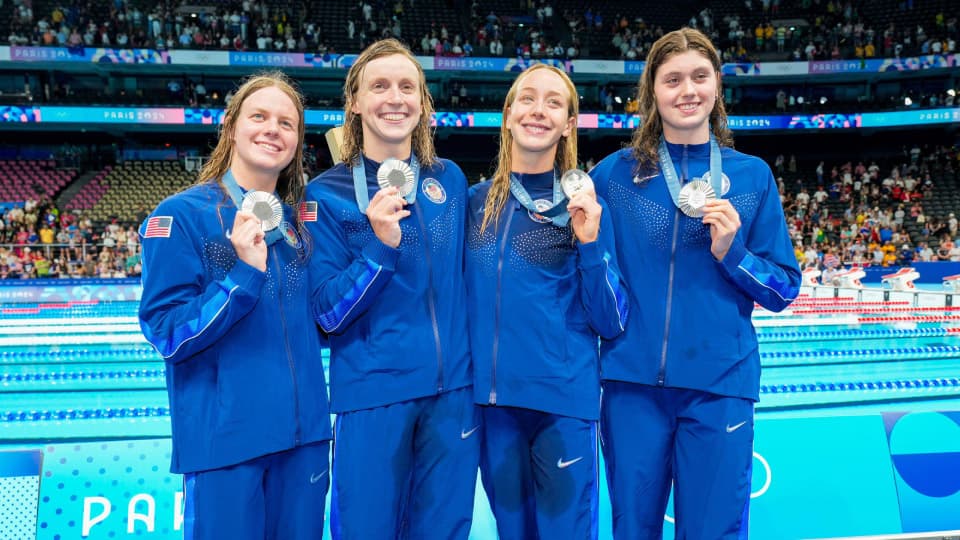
(761, 262)
(182, 311)
(345, 284)
(602, 290)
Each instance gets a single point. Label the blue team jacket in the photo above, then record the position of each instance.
(538, 301)
(691, 326)
(244, 372)
(396, 318)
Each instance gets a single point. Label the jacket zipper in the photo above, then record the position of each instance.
(431, 302)
(496, 324)
(662, 373)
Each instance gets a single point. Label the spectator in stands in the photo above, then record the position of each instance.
(945, 248)
(391, 295)
(678, 375)
(220, 298)
(540, 405)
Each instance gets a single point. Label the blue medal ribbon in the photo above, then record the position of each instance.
(363, 194)
(557, 213)
(670, 172)
(236, 195)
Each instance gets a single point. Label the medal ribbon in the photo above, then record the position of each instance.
(670, 172)
(557, 213)
(363, 194)
(236, 195)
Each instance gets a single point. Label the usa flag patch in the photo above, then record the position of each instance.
(308, 211)
(158, 227)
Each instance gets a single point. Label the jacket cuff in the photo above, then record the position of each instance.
(247, 277)
(735, 255)
(381, 254)
(590, 254)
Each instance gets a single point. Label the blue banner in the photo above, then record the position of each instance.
(88, 55)
(332, 117)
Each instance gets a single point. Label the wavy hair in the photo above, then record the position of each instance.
(646, 138)
(565, 158)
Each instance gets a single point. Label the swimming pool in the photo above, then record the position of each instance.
(859, 392)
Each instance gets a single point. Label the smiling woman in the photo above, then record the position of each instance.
(265, 138)
(386, 95)
(548, 261)
(224, 290)
(389, 231)
(702, 237)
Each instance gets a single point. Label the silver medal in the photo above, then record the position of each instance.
(574, 181)
(265, 206)
(394, 172)
(724, 182)
(693, 196)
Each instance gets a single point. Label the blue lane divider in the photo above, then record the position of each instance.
(902, 352)
(80, 375)
(66, 313)
(76, 355)
(84, 414)
(859, 386)
(773, 337)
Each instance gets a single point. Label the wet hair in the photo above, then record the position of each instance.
(352, 146)
(565, 159)
(291, 186)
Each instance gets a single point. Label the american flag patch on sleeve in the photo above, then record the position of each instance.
(158, 227)
(308, 211)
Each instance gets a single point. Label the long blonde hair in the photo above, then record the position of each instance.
(646, 138)
(565, 159)
(352, 146)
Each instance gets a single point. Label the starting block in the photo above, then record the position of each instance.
(901, 280)
(850, 278)
(952, 283)
(810, 276)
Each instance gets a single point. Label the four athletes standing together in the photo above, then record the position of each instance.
(464, 323)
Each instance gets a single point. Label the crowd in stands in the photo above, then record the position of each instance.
(536, 30)
(803, 30)
(856, 213)
(864, 214)
(240, 26)
(38, 240)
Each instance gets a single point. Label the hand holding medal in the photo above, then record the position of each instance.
(247, 237)
(583, 206)
(385, 212)
(724, 222)
(398, 182)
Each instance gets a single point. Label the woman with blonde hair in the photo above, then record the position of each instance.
(388, 226)
(543, 286)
